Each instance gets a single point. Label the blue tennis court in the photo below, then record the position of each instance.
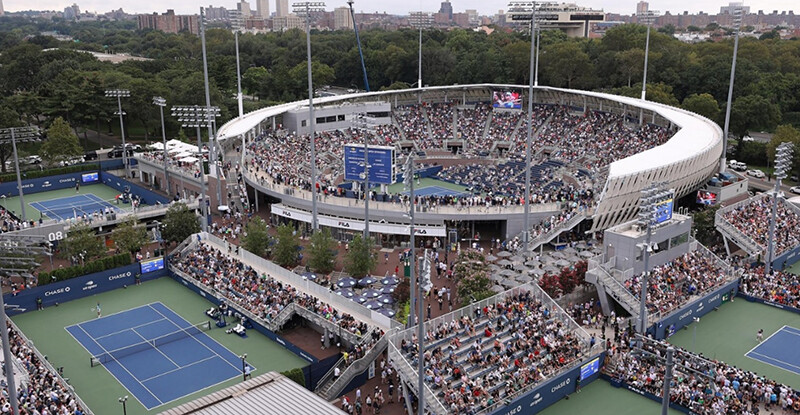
(436, 191)
(156, 354)
(68, 207)
(779, 350)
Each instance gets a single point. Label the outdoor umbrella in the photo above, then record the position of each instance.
(496, 277)
(587, 254)
(491, 258)
(387, 312)
(508, 283)
(504, 262)
(504, 254)
(373, 304)
(569, 250)
(390, 281)
(366, 281)
(388, 289)
(360, 299)
(557, 254)
(347, 282)
(524, 278)
(517, 258)
(497, 288)
(309, 276)
(345, 292)
(507, 272)
(386, 299)
(562, 263)
(371, 293)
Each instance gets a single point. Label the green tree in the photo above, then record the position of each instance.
(8, 118)
(472, 277)
(129, 236)
(703, 225)
(703, 104)
(322, 252)
(83, 244)
(61, 144)
(360, 260)
(285, 252)
(179, 223)
(256, 238)
(753, 113)
(567, 65)
(322, 75)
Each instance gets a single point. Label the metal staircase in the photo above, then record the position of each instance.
(329, 387)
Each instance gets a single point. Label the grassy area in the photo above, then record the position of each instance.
(600, 398)
(100, 190)
(729, 333)
(95, 385)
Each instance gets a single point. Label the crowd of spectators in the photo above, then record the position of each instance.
(9, 222)
(706, 387)
(753, 220)
(173, 161)
(671, 285)
(41, 391)
(478, 361)
(778, 287)
(472, 124)
(262, 295)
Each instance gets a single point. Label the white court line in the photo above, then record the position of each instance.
(130, 328)
(179, 368)
(776, 360)
(765, 340)
(156, 348)
(195, 339)
(123, 367)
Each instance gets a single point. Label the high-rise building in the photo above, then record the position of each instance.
(216, 13)
(290, 21)
(72, 12)
(262, 6)
(169, 22)
(342, 18)
(642, 7)
(281, 8)
(570, 18)
(244, 8)
(732, 6)
(446, 8)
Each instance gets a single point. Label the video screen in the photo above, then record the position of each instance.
(590, 368)
(664, 211)
(706, 198)
(90, 177)
(152, 265)
(507, 99)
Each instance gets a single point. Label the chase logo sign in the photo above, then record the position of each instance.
(56, 291)
(66, 180)
(560, 385)
(118, 276)
(515, 411)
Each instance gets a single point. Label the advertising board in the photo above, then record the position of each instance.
(90, 177)
(152, 265)
(664, 210)
(684, 316)
(381, 164)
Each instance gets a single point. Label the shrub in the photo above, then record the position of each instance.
(98, 265)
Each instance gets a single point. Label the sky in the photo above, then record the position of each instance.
(484, 7)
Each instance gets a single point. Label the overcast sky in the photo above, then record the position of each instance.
(485, 7)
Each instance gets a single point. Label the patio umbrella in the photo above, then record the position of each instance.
(388, 289)
(360, 299)
(390, 281)
(508, 283)
(582, 245)
(371, 293)
(373, 304)
(345, 292)
(587, 254)
(569, 250)
(551, 269)
(386, 299)
(562, 263)
(533, 264)
(504, 254)
(504, 262)
(557, 254)
(347, 282)
(517, 258)
(491, 258)
(496, 277)
(497, 288)
(387, 312)
(524, 278)
(539, 271)
(507, 272)
(368, 280)
(309, 276)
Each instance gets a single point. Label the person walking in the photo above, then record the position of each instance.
(98, 310)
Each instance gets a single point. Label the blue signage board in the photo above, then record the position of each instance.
(664, 210)
(90, 177)
(152, 265)
(590, 368)
(381, 164)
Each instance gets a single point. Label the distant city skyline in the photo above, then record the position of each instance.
(483, 7)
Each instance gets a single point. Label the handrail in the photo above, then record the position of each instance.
(623, 295)
(555, 230)
(43, 360)
(740, 238)
(356, 367)
(432, 401)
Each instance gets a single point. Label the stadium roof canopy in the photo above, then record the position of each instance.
(268, 394)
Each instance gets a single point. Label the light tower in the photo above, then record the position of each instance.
(647, 17)
(783, 163)
(737, 20)
(119, 94)
(161, 103)
(23, 135)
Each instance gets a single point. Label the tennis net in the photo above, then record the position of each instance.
(117, 354)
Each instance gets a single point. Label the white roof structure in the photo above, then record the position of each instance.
(268, 394)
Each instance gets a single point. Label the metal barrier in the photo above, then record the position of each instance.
(359, 366)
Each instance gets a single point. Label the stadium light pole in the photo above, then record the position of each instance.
(238, 78)
(244, 366)
(123, 400)
(212, 139)
(648, 18)
(306, 9)
(783, 163)
(737, 19)
(526, 236)
(161, 102)
(408, 182)
(198, 116)
(358, 41)
(119, 94)
(420, 20)
(647, 216)
(21, 134)
(360, 122)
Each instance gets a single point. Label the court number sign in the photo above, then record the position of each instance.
(55, 236)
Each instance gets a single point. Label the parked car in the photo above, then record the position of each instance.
(756, 173)
(795, 190)
(737, 165)
(90, 155)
